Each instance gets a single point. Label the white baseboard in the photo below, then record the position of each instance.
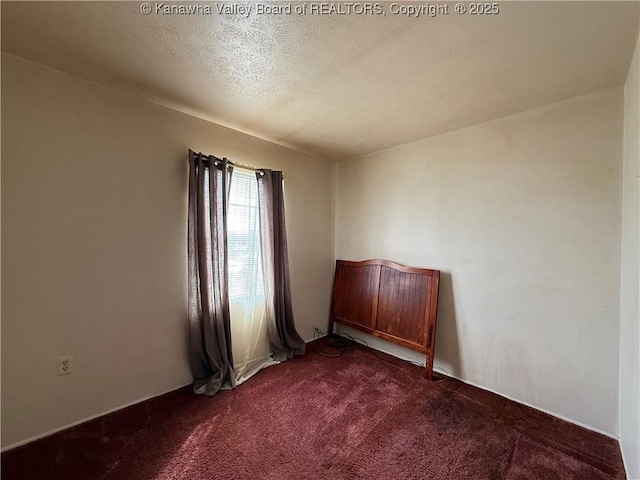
(87, 419)
(548, 412)
(468, 382)
(92, 417)
(624, 464)
(317, 338)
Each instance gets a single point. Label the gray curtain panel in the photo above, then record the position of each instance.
(209, 324)
(283, 337)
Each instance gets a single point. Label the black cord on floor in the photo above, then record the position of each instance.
(444, 376)
(337, 343)
(318, 334)
(340, 342)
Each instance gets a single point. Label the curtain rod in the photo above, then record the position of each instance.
(235, 164)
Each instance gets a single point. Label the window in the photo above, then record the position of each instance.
(249, 341)
(243, 237)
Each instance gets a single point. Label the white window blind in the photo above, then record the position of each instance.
(243, 237)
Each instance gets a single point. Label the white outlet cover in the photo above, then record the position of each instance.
(65, 365)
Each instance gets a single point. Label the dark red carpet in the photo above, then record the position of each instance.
(364, 415)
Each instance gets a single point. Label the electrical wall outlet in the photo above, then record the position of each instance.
(65, 365)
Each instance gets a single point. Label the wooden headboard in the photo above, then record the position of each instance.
(382, 298)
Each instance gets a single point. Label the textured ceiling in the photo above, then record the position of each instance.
(334, 85)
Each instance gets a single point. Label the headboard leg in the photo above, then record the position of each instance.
(428, 368)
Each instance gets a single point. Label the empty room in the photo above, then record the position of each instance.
(320, 240)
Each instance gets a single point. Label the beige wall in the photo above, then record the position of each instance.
(521, 214)
(94, 244)
(630, 283)
(523, 217)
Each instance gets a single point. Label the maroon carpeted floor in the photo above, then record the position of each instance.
(364, 415)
